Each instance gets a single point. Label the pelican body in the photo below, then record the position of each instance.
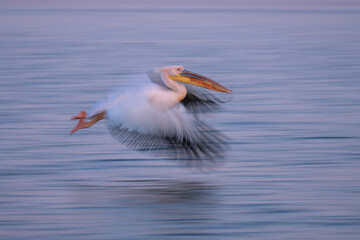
(159, 118)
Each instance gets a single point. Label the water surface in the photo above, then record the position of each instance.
(292, 171)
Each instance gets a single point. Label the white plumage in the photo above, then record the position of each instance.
(153, 119)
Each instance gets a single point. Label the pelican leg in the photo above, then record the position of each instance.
(85, 124)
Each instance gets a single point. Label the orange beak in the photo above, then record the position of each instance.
(199, 80)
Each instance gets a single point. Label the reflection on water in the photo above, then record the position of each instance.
(175, 191)
(292, 170)
(179, 207)
(152, 191)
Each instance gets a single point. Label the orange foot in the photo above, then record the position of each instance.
(81, 115)
(82, 122)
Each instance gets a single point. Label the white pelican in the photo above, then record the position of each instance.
(159, 118)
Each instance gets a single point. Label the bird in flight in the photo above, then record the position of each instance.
(163, 117)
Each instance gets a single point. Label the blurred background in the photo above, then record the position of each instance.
(292, 171)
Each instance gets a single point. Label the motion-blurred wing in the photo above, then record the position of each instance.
(197, 98)
(203, 144)
(173, 133)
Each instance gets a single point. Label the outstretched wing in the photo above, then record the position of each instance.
(173, 133)
(197, 98)
(203, 144)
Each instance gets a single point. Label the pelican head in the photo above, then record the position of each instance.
(180, 74)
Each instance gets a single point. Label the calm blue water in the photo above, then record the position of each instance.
(294, 122)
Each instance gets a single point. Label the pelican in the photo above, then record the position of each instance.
(162, 117)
